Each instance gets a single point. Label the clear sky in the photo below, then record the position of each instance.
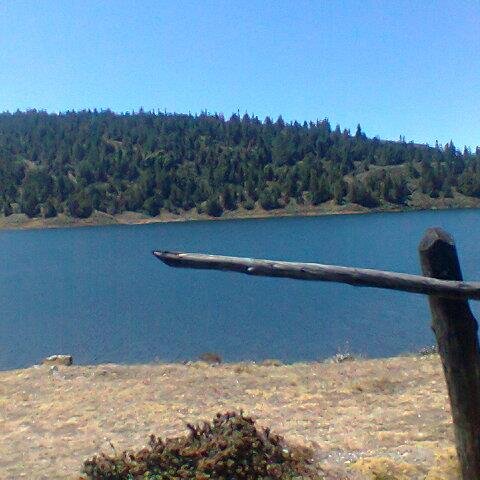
(398, 67)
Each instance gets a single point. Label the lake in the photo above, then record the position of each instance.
(99, 294)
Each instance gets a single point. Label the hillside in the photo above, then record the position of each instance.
(102, 166)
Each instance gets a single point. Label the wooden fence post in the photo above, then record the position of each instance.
(455, 329)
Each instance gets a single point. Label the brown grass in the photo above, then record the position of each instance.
(370, 419)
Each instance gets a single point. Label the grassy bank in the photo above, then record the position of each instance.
(419, 202)
(21, 221)
(365, 419)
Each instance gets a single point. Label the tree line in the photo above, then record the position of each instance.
(150, 162)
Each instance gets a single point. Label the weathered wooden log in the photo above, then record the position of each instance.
(362, 277)
(455, 328)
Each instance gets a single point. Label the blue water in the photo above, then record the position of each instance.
(99, 294)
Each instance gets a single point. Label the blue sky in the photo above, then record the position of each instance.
(397, 67)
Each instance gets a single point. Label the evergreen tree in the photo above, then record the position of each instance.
(214, 207)
(78, 162)
(49, 209)
(80, 205)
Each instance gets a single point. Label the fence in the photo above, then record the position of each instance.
(453, 323)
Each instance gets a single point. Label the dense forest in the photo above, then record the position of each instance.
(152, 162)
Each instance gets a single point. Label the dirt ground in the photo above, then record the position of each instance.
(365, 419)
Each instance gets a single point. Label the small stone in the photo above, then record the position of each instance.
(343, 357)
(427, 351)
(58, 360)
(271, 362)
(211, 358)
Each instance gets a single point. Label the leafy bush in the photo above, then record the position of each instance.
(228, 448)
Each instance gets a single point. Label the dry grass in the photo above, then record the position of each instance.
(21, 221)
(371, 419)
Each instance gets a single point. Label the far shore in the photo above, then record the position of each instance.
(19, 221)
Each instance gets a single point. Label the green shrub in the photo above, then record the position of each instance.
(228, 448)
(248, 204)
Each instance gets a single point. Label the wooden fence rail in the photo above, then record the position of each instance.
(453, 323)
(360, 277)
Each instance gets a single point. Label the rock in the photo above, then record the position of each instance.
(271, 362)
(426, 351)
(58, 360)
(343, 357)
(211, 358)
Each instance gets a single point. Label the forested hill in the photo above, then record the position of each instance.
(75, 163)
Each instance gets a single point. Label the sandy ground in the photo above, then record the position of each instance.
(368, 419)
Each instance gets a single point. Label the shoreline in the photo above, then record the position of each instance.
(336, 359)
(101, 219)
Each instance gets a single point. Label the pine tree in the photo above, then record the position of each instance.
(214, 207)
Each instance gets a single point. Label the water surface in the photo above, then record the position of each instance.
(99, 294)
